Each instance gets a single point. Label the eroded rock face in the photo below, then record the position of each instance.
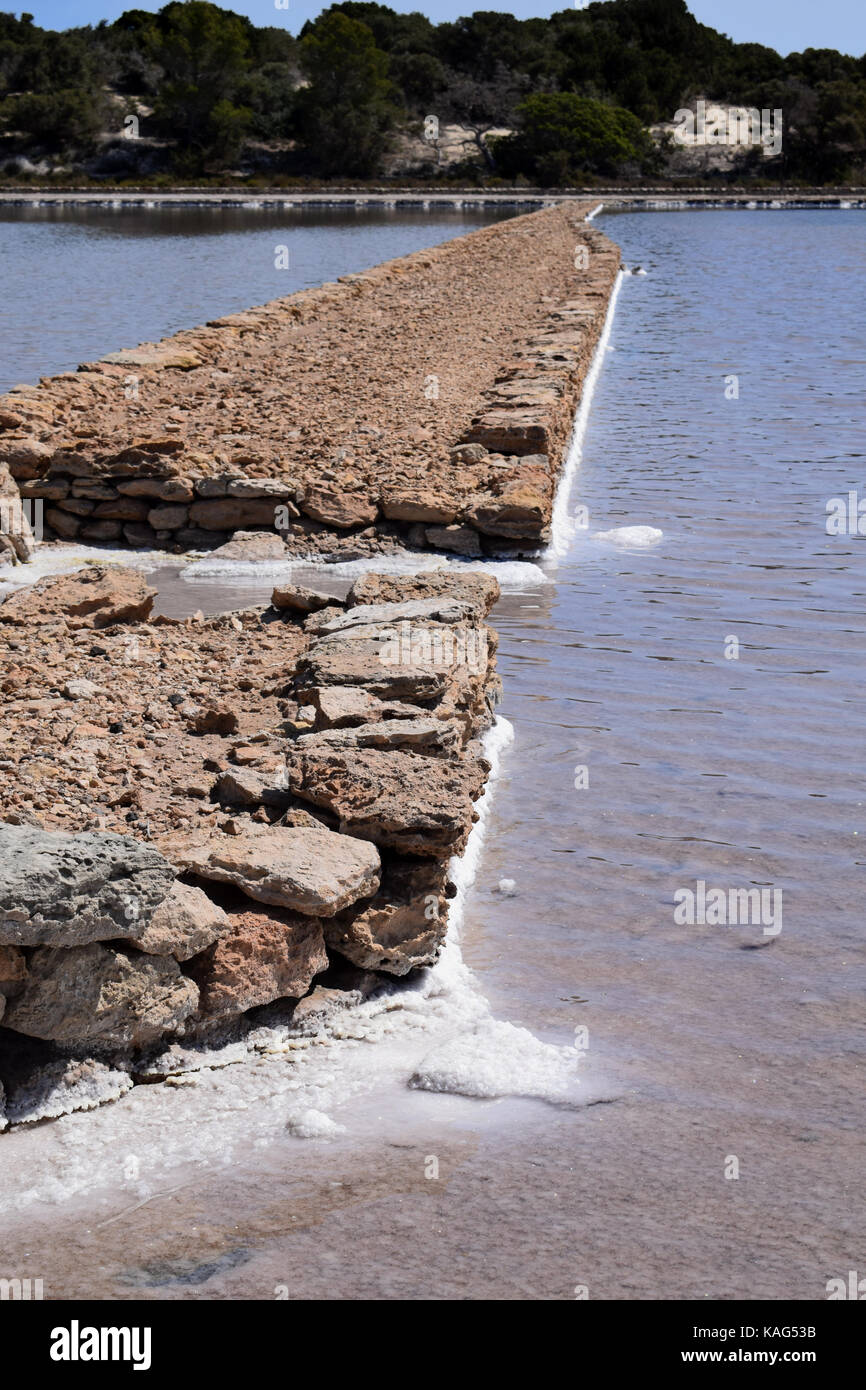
(472, 586)
(341, 706)
(264, 955)
(97, 597)
(16, 536)
(409, 803)
(403, 927)
(97, 994)
(185, 923)
(68, 890)
(306, 869)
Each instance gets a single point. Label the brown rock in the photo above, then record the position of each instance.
(101, 531)
(338, 508)
(216, 719)
(521, 511)
(162, 489)
(252, 545)
(232, 514)
(481, 589)
(185, 923)
(168, 518)
(340, 706)
(300, 600)
(13, 971)
(350, 660)
(403, 927)
(265, 955)
(94, 597)
(419, 735)
(306, 869)
(16, 537)
(419, 504)
(66, 526)
(518, 431)
(461, 540)
(406, 802)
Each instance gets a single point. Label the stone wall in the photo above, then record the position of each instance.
(426, 402)
(203, 817)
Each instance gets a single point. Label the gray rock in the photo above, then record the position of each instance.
(441, 609)
(67, 890)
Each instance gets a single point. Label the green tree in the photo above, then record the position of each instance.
(348, 110)
(204, 54)
(561, 135)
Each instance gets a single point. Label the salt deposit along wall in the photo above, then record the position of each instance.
(201, 817)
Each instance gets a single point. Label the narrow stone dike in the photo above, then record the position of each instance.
(201, 817)
(426, 402)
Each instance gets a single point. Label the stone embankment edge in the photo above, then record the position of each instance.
(522, 425)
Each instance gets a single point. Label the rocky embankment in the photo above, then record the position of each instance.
(425, 403)
(203, 816)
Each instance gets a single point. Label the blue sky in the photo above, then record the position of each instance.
(786, 25)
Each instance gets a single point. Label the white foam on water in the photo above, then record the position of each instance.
(511, 574)
(630, 536)
(563, 525)
(313, 1124)
(62, 558)
(494, 1060)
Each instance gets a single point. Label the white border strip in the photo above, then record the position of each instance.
(562, 525)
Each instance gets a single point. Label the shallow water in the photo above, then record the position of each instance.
(82, 281)
(714, 1047)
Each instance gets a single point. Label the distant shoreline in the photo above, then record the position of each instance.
(405, 198)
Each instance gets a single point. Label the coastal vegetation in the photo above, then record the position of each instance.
(196, 91)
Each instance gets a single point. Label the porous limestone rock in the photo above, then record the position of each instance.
(185, 923)
(307, 869)
(264, 955)
(67, 890)
(100, 995)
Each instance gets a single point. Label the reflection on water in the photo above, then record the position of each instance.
(82, 281)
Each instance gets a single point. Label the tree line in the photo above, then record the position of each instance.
(206, 87)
